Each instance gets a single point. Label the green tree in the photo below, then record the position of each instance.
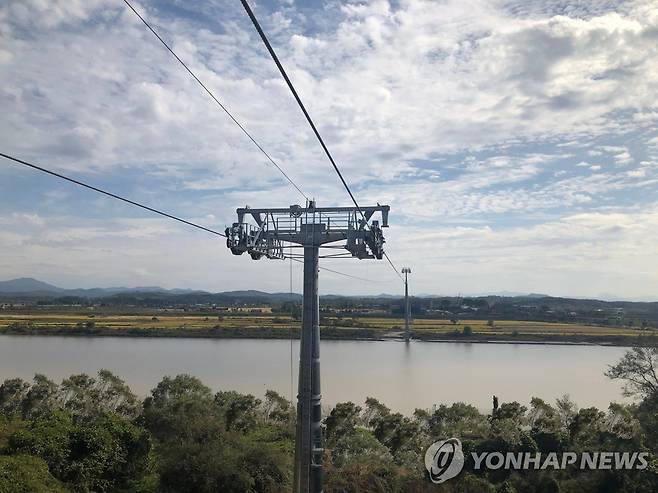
(586, 427)
(115, 396)
(374, 411)
(457, 420)
(395, 431)
(174, 402)
(41, 398)
(638, 368)
(12, 393)
(100, 455)
(566, 410)
(27, 474)
(240, 412)
(507, 428)
(203, 457)
(48, 438)
(278, 409)
(360, 462)
(342, 420)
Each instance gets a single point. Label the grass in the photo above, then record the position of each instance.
(277, 325)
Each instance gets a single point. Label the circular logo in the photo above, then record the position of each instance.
(444, 460)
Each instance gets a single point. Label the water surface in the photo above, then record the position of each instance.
(402, 376)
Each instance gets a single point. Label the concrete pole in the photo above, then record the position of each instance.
(308, 442)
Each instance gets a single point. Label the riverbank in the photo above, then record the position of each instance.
(327, 333)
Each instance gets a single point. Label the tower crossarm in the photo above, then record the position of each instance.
(264, 232)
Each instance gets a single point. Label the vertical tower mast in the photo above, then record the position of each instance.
(407, 309)
(311, 228)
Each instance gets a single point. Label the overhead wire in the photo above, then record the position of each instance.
(110, 194)
(337, 272)
(210, 93)
(297, 98)
(274, 56)
(234, 119)
(142, 206)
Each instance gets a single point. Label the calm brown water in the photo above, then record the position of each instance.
(403, 377)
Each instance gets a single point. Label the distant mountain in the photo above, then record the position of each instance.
(258, 294)
(382, 296)
(27, 284)
(30, 288)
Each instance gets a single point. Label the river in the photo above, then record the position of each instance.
(402, 376)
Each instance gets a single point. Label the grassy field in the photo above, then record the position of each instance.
(273, 325)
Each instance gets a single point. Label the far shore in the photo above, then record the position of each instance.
(328, 333)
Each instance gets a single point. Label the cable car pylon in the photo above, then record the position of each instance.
(265, 233)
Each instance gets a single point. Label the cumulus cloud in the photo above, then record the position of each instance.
(499, 116)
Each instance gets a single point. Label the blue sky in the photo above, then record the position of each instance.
(516, 142)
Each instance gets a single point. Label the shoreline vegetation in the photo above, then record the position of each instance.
(276, 326)
(92, 433)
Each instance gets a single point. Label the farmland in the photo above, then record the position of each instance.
(157, 323)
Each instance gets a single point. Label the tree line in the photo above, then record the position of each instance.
(92, 434)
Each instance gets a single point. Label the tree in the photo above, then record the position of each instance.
(359, 462)
(543, 417)
(12, 393)
(115, 396)
(41, 399)
(566, 410)
(99, 455)
(199, 455)
(467, 331)
(342, 420)
(511, 410)
(458, 420)
(374, 411)
(83, 396)
(46, 438)
(358, 445)
(638, 369)
(620, 422)
(240, 411)
(395, 431)
(546, 426)
(27, 474)
(586, 427)
(278, 409)
(174, 402)
(507, 424)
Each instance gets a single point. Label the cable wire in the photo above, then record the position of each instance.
(337, 272)
(205, 88)
(346, 275)
(109, 194)
(142, 206)
(272, 53)
(299, 101)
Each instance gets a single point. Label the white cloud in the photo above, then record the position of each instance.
(470, 113)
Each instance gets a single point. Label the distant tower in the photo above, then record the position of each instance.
(407, 311)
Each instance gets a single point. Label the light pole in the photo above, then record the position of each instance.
(311, 228)
(407, 315)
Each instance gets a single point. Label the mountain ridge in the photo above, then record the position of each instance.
(30, 287)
